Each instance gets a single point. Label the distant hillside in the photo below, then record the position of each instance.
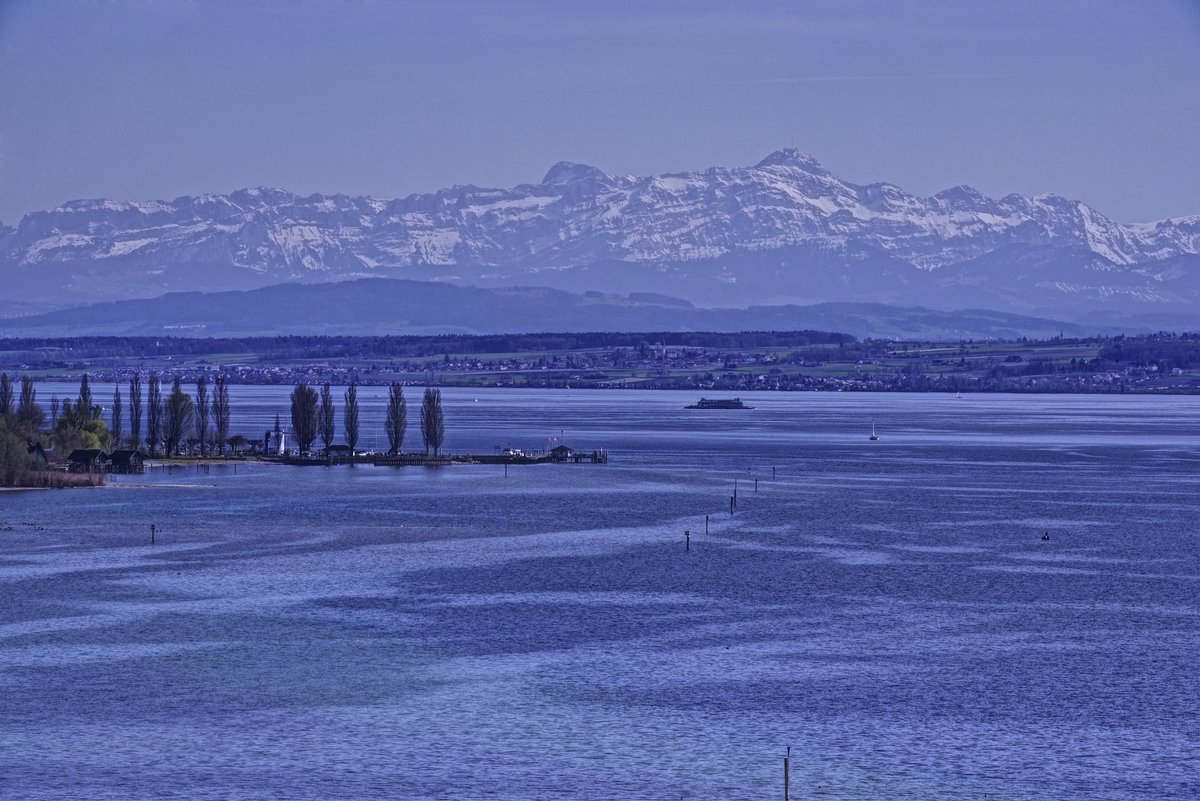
(388, 306)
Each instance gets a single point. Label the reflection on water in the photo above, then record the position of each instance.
(887, 609)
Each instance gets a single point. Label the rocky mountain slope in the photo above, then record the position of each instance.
(783, 230)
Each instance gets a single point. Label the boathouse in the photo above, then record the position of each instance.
(86, 460)
(128, 462)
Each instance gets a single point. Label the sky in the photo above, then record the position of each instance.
(154, 99)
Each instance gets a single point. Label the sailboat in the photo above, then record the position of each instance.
(873, 436)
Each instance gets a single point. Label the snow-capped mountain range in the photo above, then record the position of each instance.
(783, 230)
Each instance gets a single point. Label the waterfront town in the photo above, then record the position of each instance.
(789, 361)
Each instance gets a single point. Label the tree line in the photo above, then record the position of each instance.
(313, 347)
(314, 415)
(175, 420)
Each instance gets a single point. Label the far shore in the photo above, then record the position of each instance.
(118, 485)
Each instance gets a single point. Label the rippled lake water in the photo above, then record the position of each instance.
(886, 609)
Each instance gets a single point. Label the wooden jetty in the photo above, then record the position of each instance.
(411, 460)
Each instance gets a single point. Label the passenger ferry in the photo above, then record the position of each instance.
(705, 403)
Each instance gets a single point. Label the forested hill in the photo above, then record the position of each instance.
(392, 306)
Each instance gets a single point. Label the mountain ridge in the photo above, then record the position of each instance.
(783, 230)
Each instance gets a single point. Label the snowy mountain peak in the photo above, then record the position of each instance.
(262, 196)
(791, 157)
(961, 193)
(570, 172)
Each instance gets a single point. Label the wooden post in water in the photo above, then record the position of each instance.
(506, 469)
(731, 502)
(687, 538)
(151, 533)
(706, 524)
(772, 471)
(786, 783)
(756, 486)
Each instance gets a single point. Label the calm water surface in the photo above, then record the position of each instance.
(887, 609)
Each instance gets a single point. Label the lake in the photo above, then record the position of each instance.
(888, 610)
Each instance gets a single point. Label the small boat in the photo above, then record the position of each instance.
(873, 436)
(705, 403)
(958, 394)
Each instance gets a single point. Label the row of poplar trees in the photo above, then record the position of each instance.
(313, 415)
(200, 421)
(171, 421)
(176, 419)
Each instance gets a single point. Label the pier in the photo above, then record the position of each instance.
(411, 460)
(555, 456)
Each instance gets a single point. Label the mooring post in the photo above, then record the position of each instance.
(706, 524)
(687, 538)
(772, 471)
(730, 504)
(756, 486)
(506, 469)
(151, 533)
(786, 788)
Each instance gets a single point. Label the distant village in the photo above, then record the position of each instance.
(1159, 363)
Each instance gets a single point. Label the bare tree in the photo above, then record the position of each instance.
(85, 395)
(154, 414)
(29, 415)
(350, 416)
(6, 397)
(397, 417)
(53, 411)
(304, 416)
(179, 416)
(135, 410)
(327, 412)
(433, 426)
(201, 417)
(221, 411)
(115, 430)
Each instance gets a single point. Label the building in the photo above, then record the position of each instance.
(276, 443)
(128, 462)
(86, 460)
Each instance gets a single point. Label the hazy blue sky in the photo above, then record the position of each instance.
(1094, 100)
